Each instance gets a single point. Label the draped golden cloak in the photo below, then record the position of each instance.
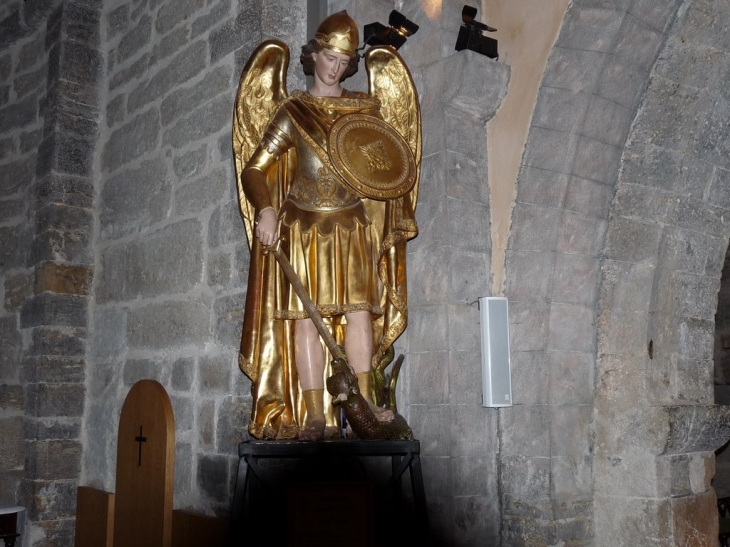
(301, 123)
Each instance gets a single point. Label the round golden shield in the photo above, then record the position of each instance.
(371, 156)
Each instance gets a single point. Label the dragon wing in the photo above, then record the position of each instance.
(261, 90)
(391, 82)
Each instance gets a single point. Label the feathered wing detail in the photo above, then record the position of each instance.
(391, 82)
(261, 90)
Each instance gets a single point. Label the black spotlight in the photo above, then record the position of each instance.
(377, 34)
(470, 35)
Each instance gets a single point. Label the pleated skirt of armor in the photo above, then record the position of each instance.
(333, 255)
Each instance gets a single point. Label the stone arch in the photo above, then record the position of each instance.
(607, 206)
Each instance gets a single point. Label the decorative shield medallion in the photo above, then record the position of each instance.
(371, 156)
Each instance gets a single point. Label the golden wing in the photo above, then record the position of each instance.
(261, 90)
(390, 81)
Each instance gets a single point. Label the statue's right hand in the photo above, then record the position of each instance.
(267, 226)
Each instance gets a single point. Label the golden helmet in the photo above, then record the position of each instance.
(338, 32)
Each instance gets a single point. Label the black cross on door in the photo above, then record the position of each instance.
(140, 440)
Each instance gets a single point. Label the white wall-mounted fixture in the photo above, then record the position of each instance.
(496, 373)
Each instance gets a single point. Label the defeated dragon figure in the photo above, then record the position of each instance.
(343, 387)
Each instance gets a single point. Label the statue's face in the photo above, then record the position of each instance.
(329, 66)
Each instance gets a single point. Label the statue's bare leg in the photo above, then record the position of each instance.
(359, 351)
(310, 367)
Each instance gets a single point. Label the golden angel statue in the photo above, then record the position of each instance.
(331, 176)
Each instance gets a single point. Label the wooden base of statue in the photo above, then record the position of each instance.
(140, 512)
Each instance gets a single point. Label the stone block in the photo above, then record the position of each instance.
(436, 476)
(571, 377)
(214, 375)
(548, 149)
(633, 241)
(712, 141)
(529, 322)
(573, 69)
(137, 137)
(53, 369)
(234, 413)
(82, 23)
(428, 329)
(692, 64)
(183, 67)
(8, 148)
(81, 64)
(53, 428)
(228, 318)
(134, 71)
(54, 309)
(108, 336)
(607, 122)
(64, 234)
(135, 370)
(183, 410)
(525, 430)
(12, 449)
(48, 400)
(623, 332)
(11, 398)
(428, 377)
(524, 478)
(464, 334)
(571, 476)
(169, 45)
(705, 22)
(62, 279)
(185, 100)
(183, 468)
(476, 87)
(431, 218)
(473, 427)
(476, 520)
(572, 328)
(473, 476)
(695, 520)
(534, 228)
(530, 376)
(589, 28)
(16, 175)
(53, 460)
(541, 187)
(6, 66)
(621, 82)
(116, 110)
(10, 345)
(27, 83)
(701, 471)
(4, 94)
(469, 281)
(219, 270)
(31, 53)
(207, 424)
(30, 140)
(465, 377)
(171, 15)
(575, 279)
(595, 160)
(218, 13)
(183, 371)
(465, 177)
(12, 251)
(11, 210)
(702, 217)
(19, 114)
(570, 430)
(657, 16)
(57, 341)
(203, 122)
(134, 40)
(66, 153)
(432, 425)
(170, 324)
(135, 199)
(559, 109)
(531, 274)
(226, 226)
(191, 163)
(49, 501)
(641, 203)
(246, 29)
(471, 230)
(61, 121)
(169, 260)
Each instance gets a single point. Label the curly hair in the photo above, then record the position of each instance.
(313, 46)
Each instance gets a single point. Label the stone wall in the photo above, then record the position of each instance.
(171, 251)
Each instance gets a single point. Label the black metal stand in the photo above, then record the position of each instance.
(252, 479)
